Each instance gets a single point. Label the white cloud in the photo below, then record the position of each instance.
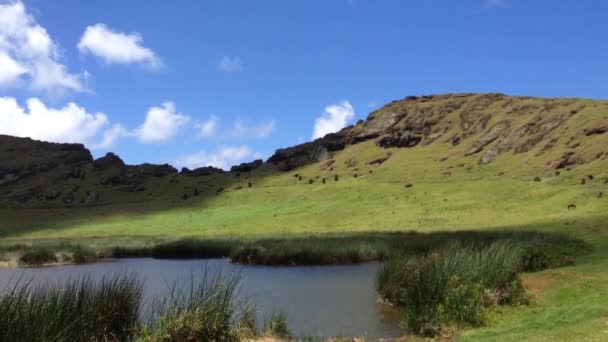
(71, 123)
(29, 56)
(208, 128)
(223, 157)
(115, 47)
(10, 70)
(161, 124)
(112, 135)
(244, 130)
(333, 119)
(229, 64)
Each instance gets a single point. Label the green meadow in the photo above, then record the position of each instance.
(354, 211)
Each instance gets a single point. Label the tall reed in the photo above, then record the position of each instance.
(82, 310)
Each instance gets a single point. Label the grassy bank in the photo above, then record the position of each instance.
(542, 249)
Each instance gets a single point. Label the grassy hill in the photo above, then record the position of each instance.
(453, 162)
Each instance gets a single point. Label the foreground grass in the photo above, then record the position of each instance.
(111, 310)
(80, 310)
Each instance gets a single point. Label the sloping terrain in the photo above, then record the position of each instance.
(434, 163)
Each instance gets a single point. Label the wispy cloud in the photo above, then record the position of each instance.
(230, 64)
(244, 130)
(208, 128)
(223, 157)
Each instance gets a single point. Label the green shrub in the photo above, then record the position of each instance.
(452, 286)
(37, 257)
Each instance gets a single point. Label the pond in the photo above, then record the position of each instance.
(319, 301)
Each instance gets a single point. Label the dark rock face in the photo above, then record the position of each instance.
(23, 157)
(406, 139)
(151, 170)
(290, 158)
(109, 161)
(247, 167)
(206, 171)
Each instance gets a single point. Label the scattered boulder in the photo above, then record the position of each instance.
(590, 177)
(583, 181)
(600, 194)
(409, 185)
(537, 179)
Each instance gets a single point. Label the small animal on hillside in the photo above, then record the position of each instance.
(571, 206)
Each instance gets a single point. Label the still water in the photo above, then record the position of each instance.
(318, 300)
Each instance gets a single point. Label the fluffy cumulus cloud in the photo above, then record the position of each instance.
(208, 128)
(244, 130)
(115, 47)
(334, 118)
(161, 124)
(71, 123)
(223, 157)
(28, 55)
(230, 64)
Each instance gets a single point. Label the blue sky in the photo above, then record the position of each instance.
(219, 82)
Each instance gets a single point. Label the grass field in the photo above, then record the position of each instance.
(456, 194)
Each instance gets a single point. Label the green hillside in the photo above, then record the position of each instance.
(435, 163)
